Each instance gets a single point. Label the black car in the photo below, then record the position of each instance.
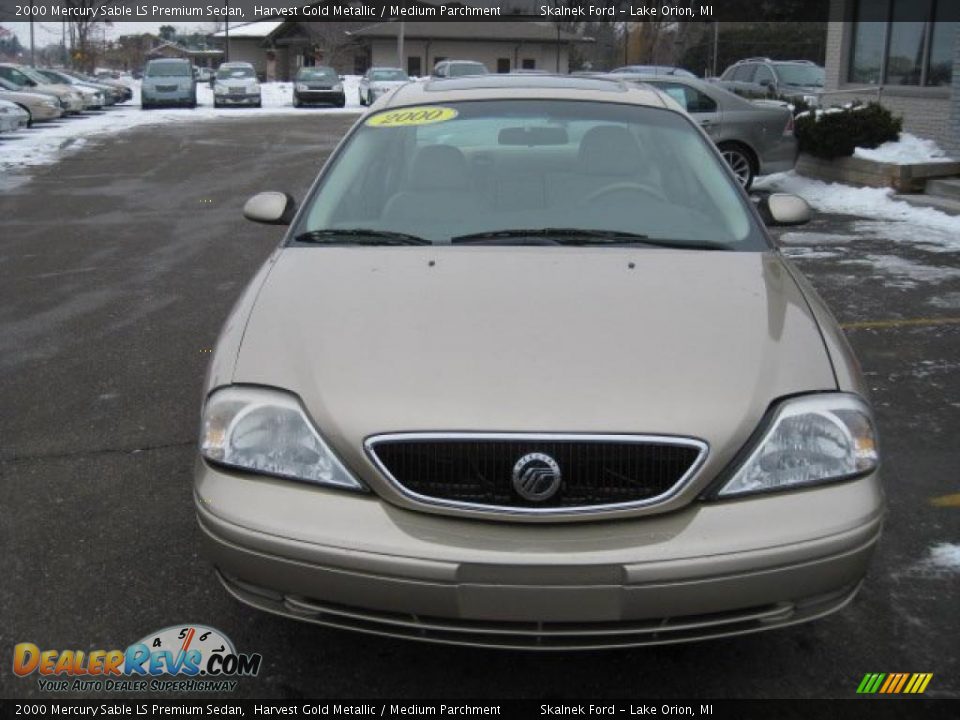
(318, 84)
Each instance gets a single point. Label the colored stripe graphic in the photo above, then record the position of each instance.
(894, 683)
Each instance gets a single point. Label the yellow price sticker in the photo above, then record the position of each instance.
(406, 117)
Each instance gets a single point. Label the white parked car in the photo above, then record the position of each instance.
(12, 116)
(236, 84)
(380, 80)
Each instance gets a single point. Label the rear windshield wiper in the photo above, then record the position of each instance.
(359, 236)
(582, 237)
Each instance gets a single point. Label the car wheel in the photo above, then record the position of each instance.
(340, 103)
(296, 101)
(144, 106)
(362, 101)
(259, 104)
(741, 161)
(29, 114)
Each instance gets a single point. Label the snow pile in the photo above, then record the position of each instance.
(874, 203)
(45, 142)
(907, 150)
(945, 556)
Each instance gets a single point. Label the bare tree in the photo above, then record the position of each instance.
(82, 32)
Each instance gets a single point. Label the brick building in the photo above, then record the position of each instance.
(913, 66)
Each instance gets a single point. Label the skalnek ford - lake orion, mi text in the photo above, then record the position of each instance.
(635, 11)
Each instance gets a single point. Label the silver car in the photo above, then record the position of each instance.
(101, 94)
(236, 84)
(22, 78)
(168, 81)
(528, 371)
(38, 106)
(754, 138)
(12, 116)
(378, 81)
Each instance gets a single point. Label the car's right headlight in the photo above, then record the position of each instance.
(302, 86)
(338, 87)
(220, 89)
(809, 440)
(268, 431)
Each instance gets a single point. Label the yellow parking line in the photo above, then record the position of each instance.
(946, 500)
(883, 324)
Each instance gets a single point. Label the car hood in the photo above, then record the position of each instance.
(509, 339)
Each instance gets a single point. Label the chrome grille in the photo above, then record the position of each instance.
(598, 472)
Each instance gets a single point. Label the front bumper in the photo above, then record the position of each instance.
(237, 99)
(45, 112)
(177, 99)
(709, 570)
(320, 96)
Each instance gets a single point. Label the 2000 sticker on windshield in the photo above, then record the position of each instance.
(407, 117)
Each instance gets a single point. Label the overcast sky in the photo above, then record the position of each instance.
(49, 32)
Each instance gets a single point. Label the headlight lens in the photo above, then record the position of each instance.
(302, 86)
(810, 440)
(267, 431)
(254, 88)
(338, 87)
(220, 90)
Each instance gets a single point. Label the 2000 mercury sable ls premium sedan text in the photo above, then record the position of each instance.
(528, 371)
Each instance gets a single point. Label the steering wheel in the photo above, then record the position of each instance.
(624, 187)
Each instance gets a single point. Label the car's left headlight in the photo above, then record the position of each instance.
(809, 440)
(254, 88)
(338, 87)
(268, 431)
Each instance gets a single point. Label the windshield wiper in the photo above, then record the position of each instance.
(359, 236)
(582, 237)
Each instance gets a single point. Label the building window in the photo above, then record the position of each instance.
(503, 65)
(529, 64)
(413, 66)
(891, 47)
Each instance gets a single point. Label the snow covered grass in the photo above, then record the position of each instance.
(909, 149)
(873, 203)
(46, 142)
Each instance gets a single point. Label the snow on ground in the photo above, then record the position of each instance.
(903, 273)
(874, 203)
(942, 557)
(905, 151)
(46, 142)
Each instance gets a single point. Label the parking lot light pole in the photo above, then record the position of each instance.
(32, 58)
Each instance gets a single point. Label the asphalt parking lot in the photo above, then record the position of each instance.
(117, 268)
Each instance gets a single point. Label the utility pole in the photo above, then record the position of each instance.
(32, 58)
(226, 32)
(716, 47)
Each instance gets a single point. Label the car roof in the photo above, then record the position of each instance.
(524, 87)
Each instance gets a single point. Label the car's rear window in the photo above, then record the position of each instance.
(439, 172)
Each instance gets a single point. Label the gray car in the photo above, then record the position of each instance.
(754, 139)
(793, 80)
(529, 371)
(168, 81)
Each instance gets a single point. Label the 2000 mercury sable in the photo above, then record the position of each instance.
(528, 371)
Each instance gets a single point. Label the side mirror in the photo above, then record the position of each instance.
(270, 208)
(784, 209)
(765, 81)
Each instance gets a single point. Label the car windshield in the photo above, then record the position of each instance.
(236, 72)
(386, 75)
(38, 77)
(529, 172)
(169, 70)
(791, 74)
(317, 73)
(464, 68)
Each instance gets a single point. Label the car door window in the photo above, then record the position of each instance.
(691, 99)
(745, 72)
(764, 73)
